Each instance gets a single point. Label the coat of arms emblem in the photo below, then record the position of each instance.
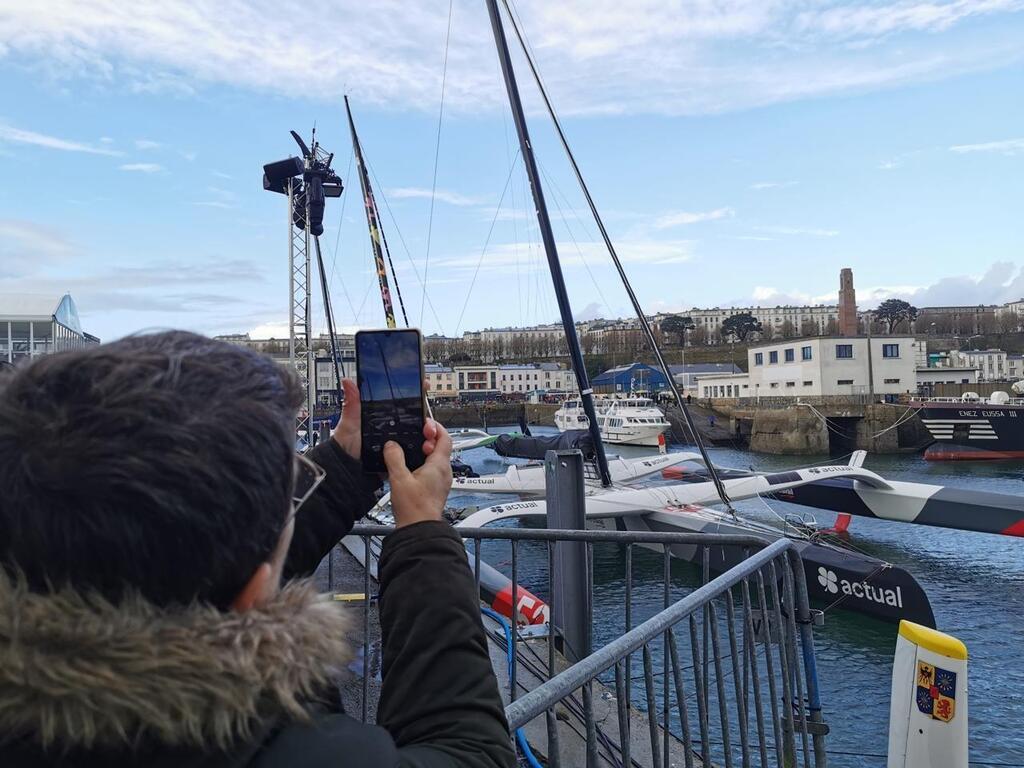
(936, 691)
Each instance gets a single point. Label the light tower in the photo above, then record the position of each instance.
(306, 182)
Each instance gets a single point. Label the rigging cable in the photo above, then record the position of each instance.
(337, 240)
(487, 242)
(394, 276)
(405, 246)
(644, 324)
(437, 153)
(329, 317)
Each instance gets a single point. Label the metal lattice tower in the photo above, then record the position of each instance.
(300, 347)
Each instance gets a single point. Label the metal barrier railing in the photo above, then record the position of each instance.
(752, 624)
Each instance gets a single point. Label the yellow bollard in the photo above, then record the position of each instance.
(928, 708)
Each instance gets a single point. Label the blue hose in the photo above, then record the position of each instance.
(524, 745)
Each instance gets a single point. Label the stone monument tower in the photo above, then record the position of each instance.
(847, 304)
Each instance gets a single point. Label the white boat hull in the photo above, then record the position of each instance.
(528, 479)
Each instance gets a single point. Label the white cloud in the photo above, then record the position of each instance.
(861, 20)
(188, 154)
(25, 244)
(8, 133)
(141, 167)
(799, 231)
(888, 165)
(442, 195)
(597, 56)
(501, 257)
(772, 185)
(682, 218)
(1007, 147)
(147, 144)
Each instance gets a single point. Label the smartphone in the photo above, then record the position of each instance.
(389, 366)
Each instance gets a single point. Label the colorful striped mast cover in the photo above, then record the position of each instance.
(373, 220)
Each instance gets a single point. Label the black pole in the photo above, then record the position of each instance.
(544, 223)
(329, 316)
(687, 416)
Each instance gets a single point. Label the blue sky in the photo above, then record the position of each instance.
(741, 151)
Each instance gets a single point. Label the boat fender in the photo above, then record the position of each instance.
(928, 708)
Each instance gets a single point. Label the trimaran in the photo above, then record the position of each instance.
(836, 575)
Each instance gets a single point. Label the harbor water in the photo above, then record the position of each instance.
(975, 583)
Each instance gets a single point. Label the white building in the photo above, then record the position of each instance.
(775, 318)
(32, 325)
(991, 363)
(452, 381)
(1015, 367)
(833, 365)
(719, 385)
(926, 377)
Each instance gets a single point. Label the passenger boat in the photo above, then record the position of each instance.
(629, 420)
(973, 428)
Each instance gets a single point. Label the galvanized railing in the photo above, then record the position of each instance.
(738, 682)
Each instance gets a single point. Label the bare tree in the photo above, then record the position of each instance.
(808, 328)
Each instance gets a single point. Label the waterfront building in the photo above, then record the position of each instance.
(1015, 367)
(834, 366)
(991, 363)
(686, 376)
(636, 377)
(928, 377)
(719, 385)
(38, 324)
(513, 380)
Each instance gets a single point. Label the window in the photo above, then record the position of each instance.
(790, 355)
(775, 385)
(790, 383)
(890, 350)
(844, 351)
(759, 358)
(805, 353)
(773, 356)
(892, 381)
(844, 382)
(808, 383)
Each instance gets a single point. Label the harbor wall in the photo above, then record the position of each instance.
(831, 425)
(481, 415)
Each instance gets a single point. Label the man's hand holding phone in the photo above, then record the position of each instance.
(421, 494)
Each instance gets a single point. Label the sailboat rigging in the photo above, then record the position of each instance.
(548, 238)
(641, 317)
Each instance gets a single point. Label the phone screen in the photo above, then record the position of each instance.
(390, 374)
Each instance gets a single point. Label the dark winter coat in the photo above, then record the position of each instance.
(87, 683)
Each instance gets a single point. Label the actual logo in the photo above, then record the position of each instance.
(834, 584)
(828, 579)
(936, 692)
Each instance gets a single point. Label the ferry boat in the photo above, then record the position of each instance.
(629, 420)
(973, 428)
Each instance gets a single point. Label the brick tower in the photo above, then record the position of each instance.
(847, 304)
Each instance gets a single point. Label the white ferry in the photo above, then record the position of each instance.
(626, 421)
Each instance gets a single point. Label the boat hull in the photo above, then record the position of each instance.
(835, 577)
(968, 431)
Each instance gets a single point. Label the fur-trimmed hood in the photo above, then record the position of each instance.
(79, 672)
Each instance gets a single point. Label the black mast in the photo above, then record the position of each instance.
(645, 326)
(544, 223)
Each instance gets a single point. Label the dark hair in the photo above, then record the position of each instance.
(160, 462)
